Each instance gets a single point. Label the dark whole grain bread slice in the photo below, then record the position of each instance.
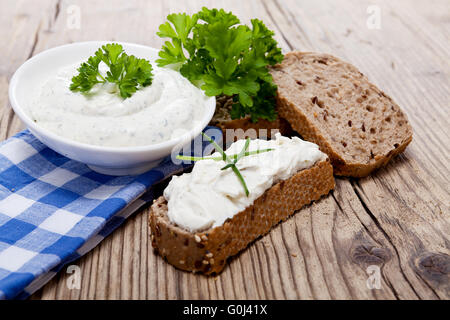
(222, 119)
(208, 251)
(329, 102)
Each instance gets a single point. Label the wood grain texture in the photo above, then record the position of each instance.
(397, 219)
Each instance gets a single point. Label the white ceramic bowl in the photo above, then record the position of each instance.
(107, 160)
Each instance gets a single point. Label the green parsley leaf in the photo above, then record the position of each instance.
(88, 75)
(182, 24)
(128, 73)
(216, 53)
(262, 104)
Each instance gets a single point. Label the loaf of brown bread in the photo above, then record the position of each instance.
(208, 251)
(331, 103)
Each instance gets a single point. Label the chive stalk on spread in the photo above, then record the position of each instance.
(230, 160)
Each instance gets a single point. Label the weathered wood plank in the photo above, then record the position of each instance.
(404, 199)
(20, 25)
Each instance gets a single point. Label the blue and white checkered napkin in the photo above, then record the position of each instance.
(54, 210)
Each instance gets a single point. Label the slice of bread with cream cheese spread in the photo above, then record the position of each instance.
(331, 103)
(205, 217)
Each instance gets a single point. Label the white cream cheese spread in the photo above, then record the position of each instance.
(156, 113)
(208, 196)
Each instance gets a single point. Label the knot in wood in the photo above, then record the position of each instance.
(368, 254)
(434, 265)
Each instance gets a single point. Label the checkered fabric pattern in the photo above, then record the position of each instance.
(53, 210)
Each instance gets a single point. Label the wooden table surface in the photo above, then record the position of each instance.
(396, 220)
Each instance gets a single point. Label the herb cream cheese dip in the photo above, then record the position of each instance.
(167, 108)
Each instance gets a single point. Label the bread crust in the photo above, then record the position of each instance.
(301, 116)
(207, 251)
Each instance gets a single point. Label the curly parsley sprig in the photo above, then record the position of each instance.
(230, 160)
(127, 72)
(213, 51)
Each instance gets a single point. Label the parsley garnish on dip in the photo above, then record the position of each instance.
(115, 99)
